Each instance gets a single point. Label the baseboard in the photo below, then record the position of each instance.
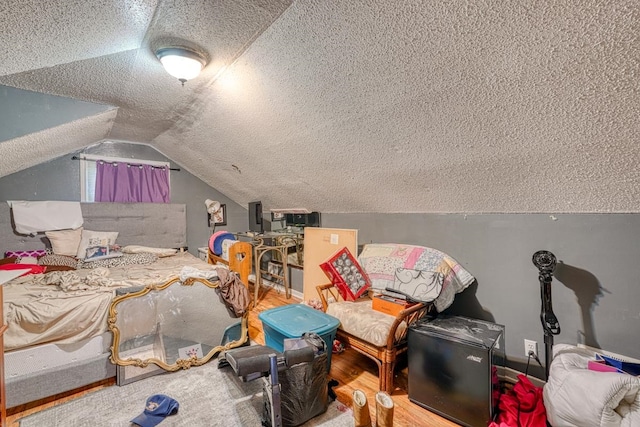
(279, 288)
(511, 375)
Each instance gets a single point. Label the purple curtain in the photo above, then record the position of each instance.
(120, 182)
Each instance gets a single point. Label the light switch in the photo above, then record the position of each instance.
(334, 239)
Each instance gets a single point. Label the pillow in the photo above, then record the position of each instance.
(126, 259)
(34, 253)
(346, 275)
(9, 260)
(421, 285)
(27, 260)
(65, 242)
(58, 261)
(160, 252)
(95, 238)
(94, 253)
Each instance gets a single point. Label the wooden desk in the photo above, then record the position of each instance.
(260, 248)
(279, 243)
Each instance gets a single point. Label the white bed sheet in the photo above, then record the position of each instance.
(38, 314)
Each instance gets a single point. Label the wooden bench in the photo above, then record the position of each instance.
(393, 329)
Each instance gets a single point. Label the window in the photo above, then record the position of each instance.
(88, 172)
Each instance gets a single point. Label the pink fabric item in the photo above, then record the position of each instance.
(601, 367)
(34, 253)
(528, 398)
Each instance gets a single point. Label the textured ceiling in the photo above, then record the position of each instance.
(353, 106)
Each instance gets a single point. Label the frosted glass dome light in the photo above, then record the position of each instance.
(181, 63)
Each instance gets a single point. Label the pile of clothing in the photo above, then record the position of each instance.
(522, 406)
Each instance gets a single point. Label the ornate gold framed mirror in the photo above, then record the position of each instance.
(173, 325)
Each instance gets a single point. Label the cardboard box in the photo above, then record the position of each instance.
(346, 275)
(389, 305)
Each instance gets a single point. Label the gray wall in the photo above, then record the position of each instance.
(59, 179)
(595, 289)
(596, 286)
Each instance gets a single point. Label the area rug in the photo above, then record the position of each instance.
(207, 396)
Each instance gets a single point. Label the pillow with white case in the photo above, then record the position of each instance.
(91, 238)
(160, 252)
(65, 242)
(419, 284)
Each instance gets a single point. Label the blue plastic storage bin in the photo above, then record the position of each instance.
(293, 320)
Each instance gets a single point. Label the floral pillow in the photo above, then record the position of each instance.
(346, 275)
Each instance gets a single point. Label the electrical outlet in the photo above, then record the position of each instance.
(530, 345)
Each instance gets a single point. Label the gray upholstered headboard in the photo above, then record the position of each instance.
(146, 224)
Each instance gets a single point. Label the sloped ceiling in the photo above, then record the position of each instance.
(352, 106)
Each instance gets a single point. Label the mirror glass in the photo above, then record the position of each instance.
(174, 325)
(294, 248)
(284, 243)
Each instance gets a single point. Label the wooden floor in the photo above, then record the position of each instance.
(351, 369)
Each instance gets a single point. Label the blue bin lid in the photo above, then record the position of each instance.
(293, 320)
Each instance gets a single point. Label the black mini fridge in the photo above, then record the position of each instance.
(453, 367)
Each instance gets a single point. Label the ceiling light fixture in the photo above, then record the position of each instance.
(183, 64)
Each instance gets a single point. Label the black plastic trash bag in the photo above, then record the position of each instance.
(304, 388)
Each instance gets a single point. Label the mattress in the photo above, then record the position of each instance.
(50, 356)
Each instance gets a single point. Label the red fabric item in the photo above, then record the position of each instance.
(33, 268)
(532, 410)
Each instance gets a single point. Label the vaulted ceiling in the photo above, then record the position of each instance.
(344, 105)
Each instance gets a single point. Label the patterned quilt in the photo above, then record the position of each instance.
(382, 261)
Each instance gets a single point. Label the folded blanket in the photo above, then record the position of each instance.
(577, 396)
(381, 261)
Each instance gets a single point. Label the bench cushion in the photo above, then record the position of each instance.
(360, 320)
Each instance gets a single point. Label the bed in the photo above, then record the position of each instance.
(57, 338)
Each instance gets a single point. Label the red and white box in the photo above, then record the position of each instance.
(346, 274)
